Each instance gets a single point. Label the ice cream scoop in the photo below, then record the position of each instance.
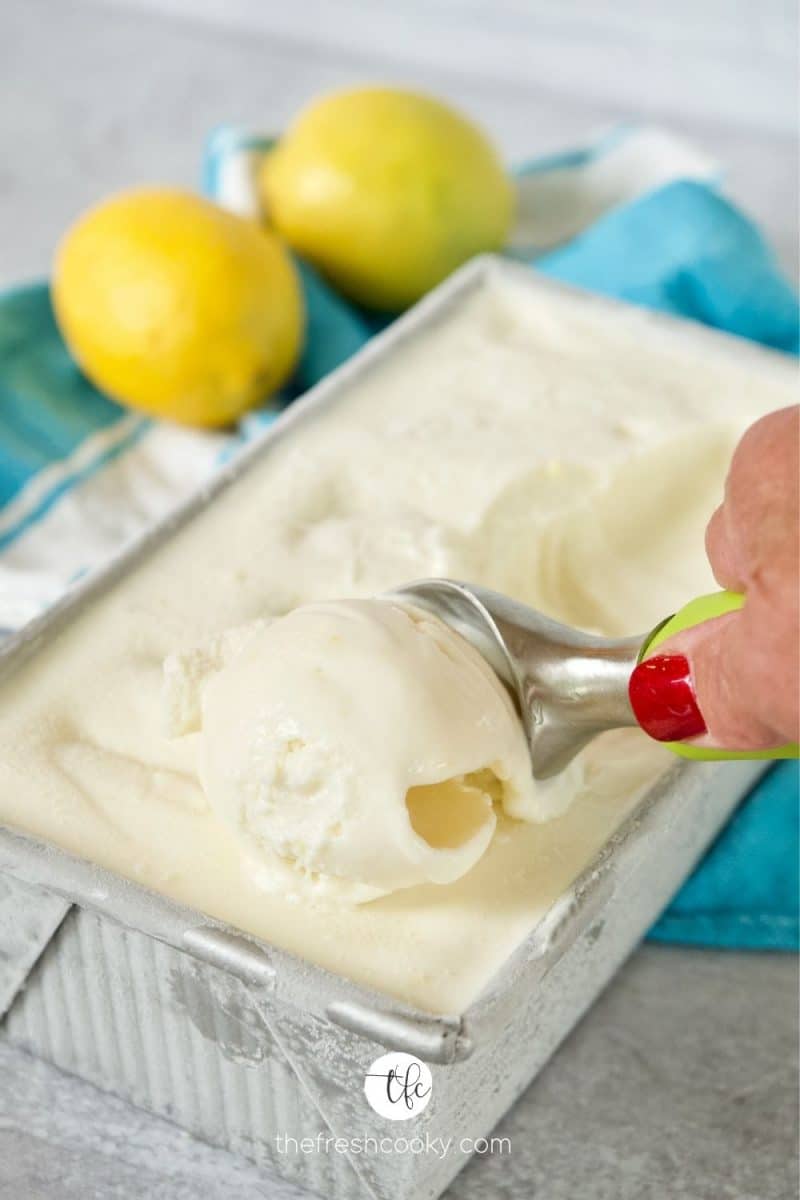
(568, 685)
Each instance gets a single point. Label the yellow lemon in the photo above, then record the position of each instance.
(175, 307)
(386, 192)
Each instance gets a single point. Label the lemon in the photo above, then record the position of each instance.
(386, 192)
(173, 306)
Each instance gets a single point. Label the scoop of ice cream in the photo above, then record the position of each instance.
(360, 739)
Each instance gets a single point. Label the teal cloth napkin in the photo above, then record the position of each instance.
(682, 249)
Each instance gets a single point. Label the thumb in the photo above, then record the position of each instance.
(713, 684)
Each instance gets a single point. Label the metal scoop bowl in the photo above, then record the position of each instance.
(568, 686)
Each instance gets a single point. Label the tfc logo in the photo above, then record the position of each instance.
(398, 1086)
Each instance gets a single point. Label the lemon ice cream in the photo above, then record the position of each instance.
(362, 742)
(527, 441)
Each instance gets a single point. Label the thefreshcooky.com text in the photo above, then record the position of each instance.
(440, 1146)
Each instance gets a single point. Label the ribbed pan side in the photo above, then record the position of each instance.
(176, 1037)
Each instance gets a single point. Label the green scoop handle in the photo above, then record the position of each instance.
(704, 608)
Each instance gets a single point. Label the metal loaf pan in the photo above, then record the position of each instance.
(240, 1042)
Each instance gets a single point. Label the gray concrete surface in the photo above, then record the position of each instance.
(681, 1083)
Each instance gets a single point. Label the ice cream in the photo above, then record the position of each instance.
(526, 441)
(356, 747)
(363, 743)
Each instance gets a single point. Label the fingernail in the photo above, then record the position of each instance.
(662, 697)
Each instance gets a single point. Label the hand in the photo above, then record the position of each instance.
(734, 682)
